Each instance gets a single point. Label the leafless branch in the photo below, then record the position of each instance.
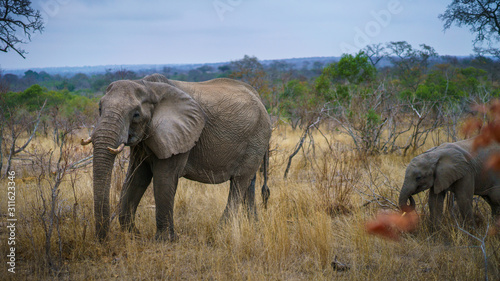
(298, 146)
(16, 15)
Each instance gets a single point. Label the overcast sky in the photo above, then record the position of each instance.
(118, 32)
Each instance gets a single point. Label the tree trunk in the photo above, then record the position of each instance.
(1, 142)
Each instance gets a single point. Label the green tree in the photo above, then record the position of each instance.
(205, 68)
(296, 102)
(80, 81)
(31, 99)
(224, 70)
(351, 69)
(337, 79)
(450, 85)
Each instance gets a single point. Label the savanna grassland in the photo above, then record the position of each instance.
(372, 120)
(315, 217)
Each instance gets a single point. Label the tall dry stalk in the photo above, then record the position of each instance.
(336, 176)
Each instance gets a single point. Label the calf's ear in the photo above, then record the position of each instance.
(451, 166)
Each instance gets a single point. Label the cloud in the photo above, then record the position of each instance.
(95, 32)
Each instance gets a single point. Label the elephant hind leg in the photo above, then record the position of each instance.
(464, 193)
(494, 201)
(249, 199)
(265, 189)
(239, 190)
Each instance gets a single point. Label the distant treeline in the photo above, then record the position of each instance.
(90, 84)
(301, 69)
(376, 96)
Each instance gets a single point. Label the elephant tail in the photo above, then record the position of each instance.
(265, 189)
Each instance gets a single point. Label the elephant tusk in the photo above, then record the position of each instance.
(116, 150)
(86, 141)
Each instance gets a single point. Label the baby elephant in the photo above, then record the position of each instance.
(452, 167)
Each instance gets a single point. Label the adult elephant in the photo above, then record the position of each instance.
(209, 132)
(452, 167)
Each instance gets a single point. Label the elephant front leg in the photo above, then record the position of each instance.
(166, 175)
(436, 208)
(164, 193)
(138, 179)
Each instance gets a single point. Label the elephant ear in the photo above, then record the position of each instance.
(452, 165)
(176, 123)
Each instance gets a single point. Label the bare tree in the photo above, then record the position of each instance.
(481, 16)
(4, 88)
(51, 167)
(123, 74)
(375, 53)
(251, 71)
(2, 122)
(411, 64)
(481, 52)
(15, 15)
(17, 123)
(313, 124)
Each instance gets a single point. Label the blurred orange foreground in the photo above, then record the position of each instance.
(390, 225)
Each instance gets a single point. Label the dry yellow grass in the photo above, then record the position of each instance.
(315, 216)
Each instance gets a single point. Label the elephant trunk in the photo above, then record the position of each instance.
(404, 196)
(106, 134)
(404, 206)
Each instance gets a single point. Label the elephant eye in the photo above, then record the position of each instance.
(136, 115)
(418, 178)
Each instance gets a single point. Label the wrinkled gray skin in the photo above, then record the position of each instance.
(209, 132)
(452, 167)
